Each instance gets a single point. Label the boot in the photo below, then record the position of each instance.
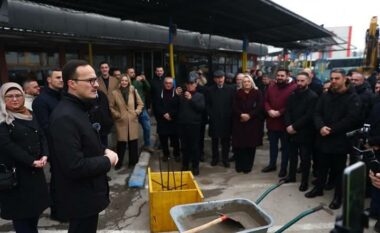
(304, 186)
(316, 191)
(336, 202)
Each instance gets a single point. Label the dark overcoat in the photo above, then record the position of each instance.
(247, 134)
(167, 103)
(219, 110)
(21, 143)
(80, 167)
(342, 113)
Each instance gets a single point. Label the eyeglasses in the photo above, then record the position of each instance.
(11, 97)
(92, 81)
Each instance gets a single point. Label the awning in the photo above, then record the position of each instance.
(262, 21)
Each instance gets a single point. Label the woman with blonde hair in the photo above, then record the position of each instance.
(246, 126)
(126, 106)
(23, 147)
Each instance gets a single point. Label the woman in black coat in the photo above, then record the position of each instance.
(22, 146)
(246, 126)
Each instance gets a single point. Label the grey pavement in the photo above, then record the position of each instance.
(129, 208)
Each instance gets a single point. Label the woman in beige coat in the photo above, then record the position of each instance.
(126, 105)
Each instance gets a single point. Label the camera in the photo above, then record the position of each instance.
(361, 133)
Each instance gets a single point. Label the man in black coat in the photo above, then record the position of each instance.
(43, 106)
(100, 113)
(45, 103)
(80, 161)
(374, 142)
(299, 125)
(167, 117)
(156, 85)
(219, 99)
(336, 113)
(363, 89)
(191, 107)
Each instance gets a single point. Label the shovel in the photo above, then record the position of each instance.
(223, 218)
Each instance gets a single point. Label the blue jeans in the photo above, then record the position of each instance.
(144, 120)
(274, 137)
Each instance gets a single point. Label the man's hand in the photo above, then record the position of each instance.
(112, 156)
(375, 179)
(244, 117)
(167, 116)
(290, 130)
(188, 95)
(273, 113)
(324, 131)
(178, 90)
(44, 160)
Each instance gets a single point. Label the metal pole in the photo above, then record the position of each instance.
(244, 54)
(171, 49)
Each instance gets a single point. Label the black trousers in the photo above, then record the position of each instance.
(28, 225)
(305, 153)
(81, 225)
(202, 139)
(225, 142)
(189, 135)
(174, 142)
(335, 162)
(132, 152)
(244, 159)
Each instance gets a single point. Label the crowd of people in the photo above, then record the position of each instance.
(68, 125)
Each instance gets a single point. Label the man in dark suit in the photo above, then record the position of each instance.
(80, 160)
(219, 108)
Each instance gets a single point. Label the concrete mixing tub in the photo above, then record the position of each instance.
(248, 213)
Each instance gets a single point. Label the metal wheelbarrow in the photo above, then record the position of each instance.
(202, 217)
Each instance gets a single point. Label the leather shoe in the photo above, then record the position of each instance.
(269, 168)
(226, 164)
(336, 203)
(314, 192)
(288, 180)
(282, 173)
(303, 187)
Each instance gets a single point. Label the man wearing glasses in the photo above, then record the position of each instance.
(81, 162)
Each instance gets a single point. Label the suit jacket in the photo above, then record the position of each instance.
(113, 84)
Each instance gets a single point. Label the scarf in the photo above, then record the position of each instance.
(125, 94)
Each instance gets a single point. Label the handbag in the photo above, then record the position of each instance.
(8, 178)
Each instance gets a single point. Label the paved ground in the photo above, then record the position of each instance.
(129, 209)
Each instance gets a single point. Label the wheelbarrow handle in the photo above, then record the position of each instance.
(206, 225)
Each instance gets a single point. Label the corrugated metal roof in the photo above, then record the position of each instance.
(262, 21)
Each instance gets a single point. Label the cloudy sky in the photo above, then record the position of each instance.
(334, 13)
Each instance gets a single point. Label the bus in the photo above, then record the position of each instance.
(323, 67)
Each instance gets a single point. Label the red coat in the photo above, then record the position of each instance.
(249, 133)
(275, 99)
